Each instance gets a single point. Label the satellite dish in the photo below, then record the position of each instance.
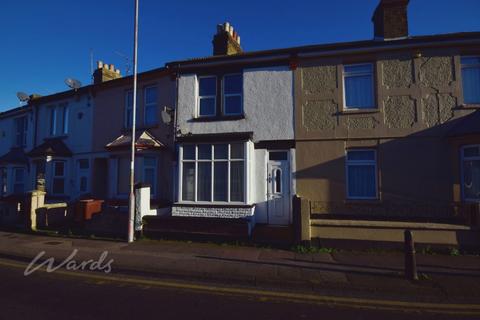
(166, 117)
(73, 83)
(23, 97)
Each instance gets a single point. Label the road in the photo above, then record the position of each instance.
(82, 295)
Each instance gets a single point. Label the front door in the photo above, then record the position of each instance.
(278, 192)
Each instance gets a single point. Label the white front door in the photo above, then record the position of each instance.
(278, 191)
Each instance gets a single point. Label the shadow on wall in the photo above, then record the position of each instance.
(418, 176)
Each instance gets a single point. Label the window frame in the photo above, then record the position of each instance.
(464, 66)
(83, 173)
(229, 160)
(153, 188)
(462, 169)
(24, 132)
(55, 176)
(199, 97)
(53, 121)
(373, 89)
(15, 182)
(149, 105)
(65, 117)
(127, 124)
(361, 163)
(224, 95)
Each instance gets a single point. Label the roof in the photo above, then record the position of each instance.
(51, 147)
(144, 140)
(14, 156)
(468, 125)
(325, 48)
(14, 111)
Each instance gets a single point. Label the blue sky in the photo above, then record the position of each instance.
(43, 42)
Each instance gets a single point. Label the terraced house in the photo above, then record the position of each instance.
(349, 141)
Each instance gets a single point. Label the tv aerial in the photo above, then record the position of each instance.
(23, 97)
(73, 83)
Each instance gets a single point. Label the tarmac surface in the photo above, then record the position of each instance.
(259, 280)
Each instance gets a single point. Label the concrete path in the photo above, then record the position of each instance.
(444, 278)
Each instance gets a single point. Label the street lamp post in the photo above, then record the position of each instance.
(131, 207)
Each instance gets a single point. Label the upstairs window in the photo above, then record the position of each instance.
(358, 86)
(129, 109)
(232, 94)
(21, 131)
(361, 174)
(220, 96)
(471, 172)
(150, 102)
(59, 118)
(207, 96)
(471, 79)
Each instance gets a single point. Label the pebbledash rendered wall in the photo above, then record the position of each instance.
(418, 95)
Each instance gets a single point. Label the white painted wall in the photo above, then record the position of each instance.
(267, 103)
(79, 137)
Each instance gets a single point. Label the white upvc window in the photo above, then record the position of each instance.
(150, 173)
(213, 173)
(21, 127)
(207, 96)
(471, 79)
(361, 174)
(65, 117)
(18, 180)
(358, 86)
(129, 110)
(59, 119)
(58, 177)
(470, 167)
(150, 105)
(53, 121)
(233, 94)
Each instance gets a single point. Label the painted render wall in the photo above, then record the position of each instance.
(418, 100)
(267, 103)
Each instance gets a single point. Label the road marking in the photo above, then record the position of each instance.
(265, 295)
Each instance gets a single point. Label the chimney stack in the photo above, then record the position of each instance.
(105, 72)
(226, 41)
(390, 20)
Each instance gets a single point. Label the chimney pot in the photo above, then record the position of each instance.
(226, 41)
(105, 66)
(99, 64)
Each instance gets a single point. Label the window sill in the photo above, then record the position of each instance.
(218, 118)
(473, 106)
(359, 111)
(362, 201)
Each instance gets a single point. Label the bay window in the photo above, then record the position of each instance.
(18, 180)
(58, 183)
(213, 172)
(471, 172)
(361, 173)
(150, 173)
(21, 126)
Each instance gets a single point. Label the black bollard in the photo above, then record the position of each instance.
(410, 260)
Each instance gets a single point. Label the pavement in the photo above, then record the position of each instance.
(376, 274)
